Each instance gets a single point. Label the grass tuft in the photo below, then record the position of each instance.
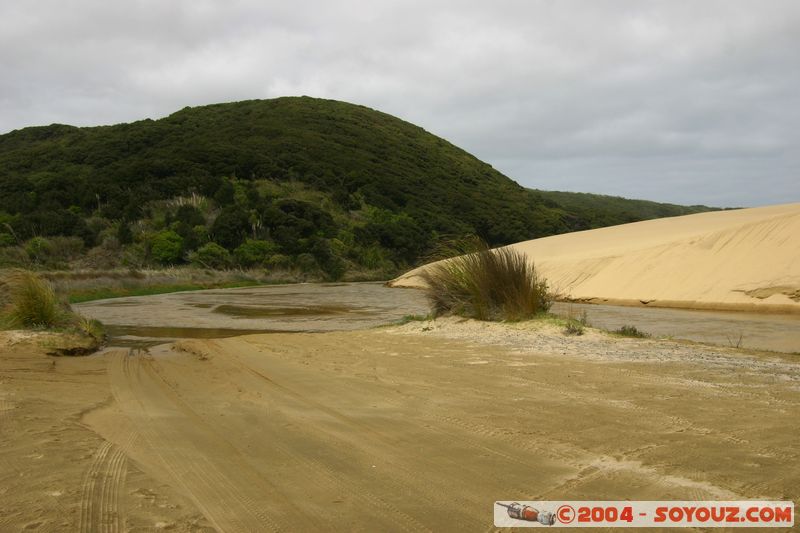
(500, 284)
(413, 318)
(631, 331)
(575, 326)
(31, 302)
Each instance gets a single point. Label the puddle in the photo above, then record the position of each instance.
(142, 337)
(177, 333)
(239, 311)
(274, 308)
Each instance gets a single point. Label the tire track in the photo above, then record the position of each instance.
(213, 472)
(7, 420)
(436, 487)
(102, 484)
(384, 515)
(179, 438)
(90, 515)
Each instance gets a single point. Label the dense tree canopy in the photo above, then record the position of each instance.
(340, 183)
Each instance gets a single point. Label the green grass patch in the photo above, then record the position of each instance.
(102, 293)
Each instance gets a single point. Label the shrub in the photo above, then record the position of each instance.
(631, 331)
(38, 249)
(13, 257)
(230, 228)
(253, 252)
(279, 262)
(306, 263)
(124, 233)
(211, 255)
(487, 285)
(166, 247)
(6, 239)
(30, 301)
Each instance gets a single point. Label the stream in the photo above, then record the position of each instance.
(313, 307)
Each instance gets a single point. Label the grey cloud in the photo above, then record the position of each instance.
(691, 102)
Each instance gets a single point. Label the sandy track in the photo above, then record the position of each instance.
(383, 430)
(419, 427)
(100, 491)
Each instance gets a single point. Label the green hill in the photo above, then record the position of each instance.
(588, 211)
(288, 183)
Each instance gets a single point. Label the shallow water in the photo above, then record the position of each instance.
(780, 333)
(221, 313)
(146, 320)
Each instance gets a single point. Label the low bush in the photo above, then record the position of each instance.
(500, 284)
(254, 252)
(211, 255)
(166, 247)
(6, 239)
(631, 331)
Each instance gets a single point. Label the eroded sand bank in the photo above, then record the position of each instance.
(382, 429)
(746, 259)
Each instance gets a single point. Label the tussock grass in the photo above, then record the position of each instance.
(30, 302)
(500, 284)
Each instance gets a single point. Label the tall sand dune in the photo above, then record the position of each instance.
(747, 259)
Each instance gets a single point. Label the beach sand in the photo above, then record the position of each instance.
(414, 427)
(747, 259)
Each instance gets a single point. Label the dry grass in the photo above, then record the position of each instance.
(84, 285)
(500, 284)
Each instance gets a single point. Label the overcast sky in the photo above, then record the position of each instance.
(694, 101)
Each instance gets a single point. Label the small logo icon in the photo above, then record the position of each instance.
(529, 514)
(565, 514)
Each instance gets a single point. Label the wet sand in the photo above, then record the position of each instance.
(383, 429)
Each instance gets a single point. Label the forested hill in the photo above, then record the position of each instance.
(285, 183)
(588, 211)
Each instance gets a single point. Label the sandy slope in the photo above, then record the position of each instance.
(743, 259)
(412, 428)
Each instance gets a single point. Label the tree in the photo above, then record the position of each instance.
(166, 247)
(230, 228)
(211, 255)
(254, 252)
